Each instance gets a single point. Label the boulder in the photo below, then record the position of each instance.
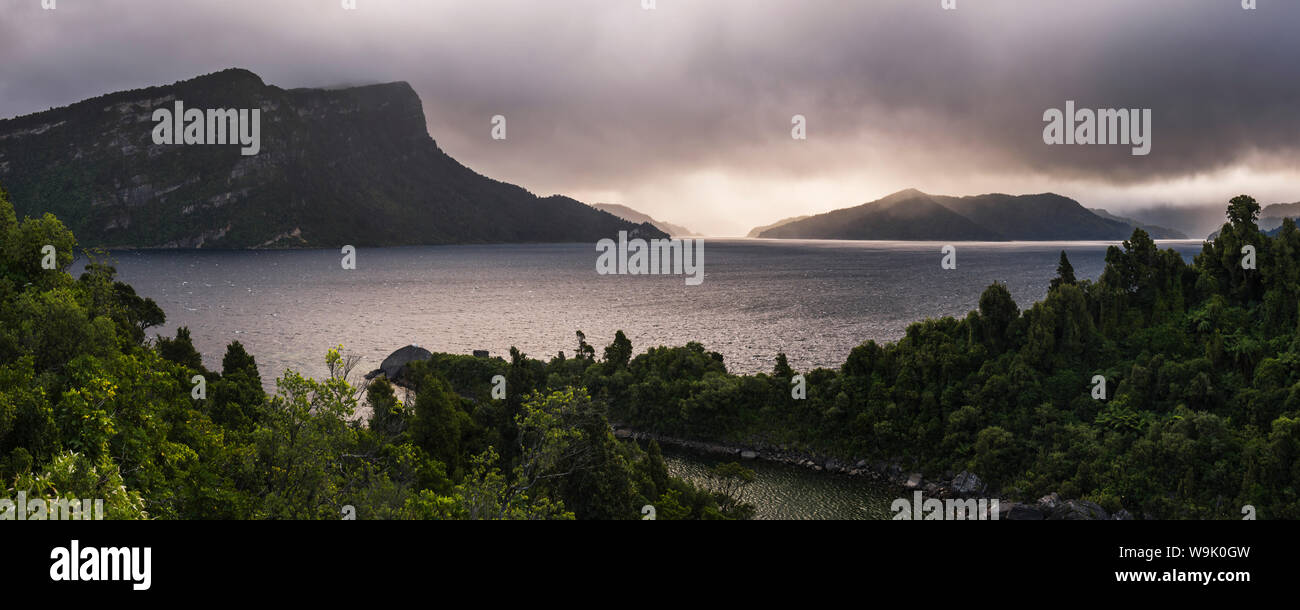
(913, 481)
(1049, 502)
(1014, 511)
(1122, 515)
(1078, 510)
(394, 366)
(748, 455)
(1084, 510)
(1093, 510)
(966, 483)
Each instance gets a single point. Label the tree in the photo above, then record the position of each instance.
(1064, 272)
(439, 424)
(997, 311)
(1242, 212)
(237, 399)
(618, 353)
(24, 249)
(238, 360)
(181, 350)
(995, 455)
(386, 413)
(585, 350)
(8, 218)
(729, 481)
(782, 368)
(305, 450)
(656, 468)
(486, 493)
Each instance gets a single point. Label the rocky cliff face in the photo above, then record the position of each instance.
(346, 166)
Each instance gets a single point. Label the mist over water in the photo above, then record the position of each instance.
(815, 300)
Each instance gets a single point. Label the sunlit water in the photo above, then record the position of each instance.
(781, 491)
(815, 300)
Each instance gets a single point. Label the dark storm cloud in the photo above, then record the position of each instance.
(602, 95)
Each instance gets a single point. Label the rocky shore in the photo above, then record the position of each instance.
(950, 485)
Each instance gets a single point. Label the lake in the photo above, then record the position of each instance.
(815, 300)
(783, 491)
(812, 299)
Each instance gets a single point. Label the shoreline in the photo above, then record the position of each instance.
(961, 485)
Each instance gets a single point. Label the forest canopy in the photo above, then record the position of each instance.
(1165, 388)
(90, 407)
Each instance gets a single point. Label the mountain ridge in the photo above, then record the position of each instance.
(910, 214)
(340, 166)
(756, 231)
(1272, 215)
(632, 215)
(1155, 231)
(905, 215)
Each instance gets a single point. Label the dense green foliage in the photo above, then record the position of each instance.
(1195, 414)
(1201, 367)
(89, 408)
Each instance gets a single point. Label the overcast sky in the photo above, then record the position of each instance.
(684, 112)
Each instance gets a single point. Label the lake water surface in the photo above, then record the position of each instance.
(815, 300)
(782, 491)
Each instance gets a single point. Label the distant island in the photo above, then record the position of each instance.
(757, 231)
(340, 166)
(634, 216)
(913, 215)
